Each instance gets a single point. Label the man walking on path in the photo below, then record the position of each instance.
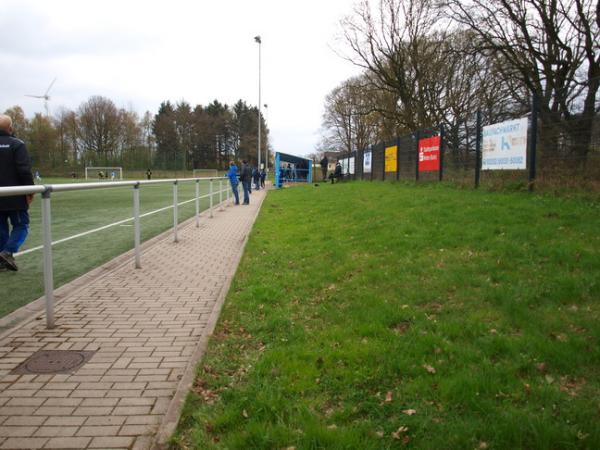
(233, 179)
(15, 170)
(246, 179)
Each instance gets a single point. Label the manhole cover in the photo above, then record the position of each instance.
(53, 361)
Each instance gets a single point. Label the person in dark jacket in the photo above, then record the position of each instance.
(246, 179)
(337, 173)
(232, 174)
(15, 170)
(256, 178)
(324, 164)
(263, 177)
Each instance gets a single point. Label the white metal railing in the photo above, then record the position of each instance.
(47, 189)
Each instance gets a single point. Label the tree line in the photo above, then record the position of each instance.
(436, 62)
(177, 137)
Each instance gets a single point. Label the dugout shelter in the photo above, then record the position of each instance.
(292, 169)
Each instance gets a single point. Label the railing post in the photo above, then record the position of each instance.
(227, 202)
(220, 195)
(136, 225)
(197, 203)
(175, 212)
(48, 273)
(210, 195)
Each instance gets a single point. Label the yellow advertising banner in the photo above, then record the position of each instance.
(391, 161)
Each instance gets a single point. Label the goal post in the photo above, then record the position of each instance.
(205, 173)
(104, 173)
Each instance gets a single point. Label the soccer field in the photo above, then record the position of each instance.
(80, 211)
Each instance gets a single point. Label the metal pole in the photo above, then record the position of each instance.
(417, 135)
(197, 203)
(397, 158)
(210, 195)
(258, 39)
(227, 202)
(220, 195)
(136, 225)
(478, 150)
(48, 273)
(533, 141)
(442, 138)
(175, 212)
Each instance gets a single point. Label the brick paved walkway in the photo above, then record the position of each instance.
(147, 328)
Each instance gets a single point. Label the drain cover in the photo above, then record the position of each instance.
(53, 361)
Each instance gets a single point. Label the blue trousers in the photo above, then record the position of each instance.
(246, 186)
(234, 188)
(11, 240)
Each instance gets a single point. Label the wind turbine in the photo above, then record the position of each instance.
(46, 97)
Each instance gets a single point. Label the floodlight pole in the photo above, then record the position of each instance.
(259, 42)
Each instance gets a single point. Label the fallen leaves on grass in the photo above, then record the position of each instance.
(399, 434)
(389, 396)
(409, 412)
(207, 395)
(429, 369)
(245, 413)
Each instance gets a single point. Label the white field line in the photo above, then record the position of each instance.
(120, 222)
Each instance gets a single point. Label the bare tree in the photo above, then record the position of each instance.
(99, 127)
(349, 119)
(549, 46)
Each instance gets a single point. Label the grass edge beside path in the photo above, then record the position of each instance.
(384, 315)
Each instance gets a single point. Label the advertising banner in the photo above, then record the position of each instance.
(351, 166)
(344, 166)
(429, 154)
(504, 145)
(391, 160)
(367, 162)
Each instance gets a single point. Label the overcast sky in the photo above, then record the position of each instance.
(139, 53)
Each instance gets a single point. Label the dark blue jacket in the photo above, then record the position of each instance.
(15, 170)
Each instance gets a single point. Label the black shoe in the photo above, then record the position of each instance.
(8, 261)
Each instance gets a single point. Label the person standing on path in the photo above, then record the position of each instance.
(15, 170)
(324, 164)
(246, 179)
(263, 177)
(232, 174)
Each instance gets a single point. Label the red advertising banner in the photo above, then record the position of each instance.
(429, 154)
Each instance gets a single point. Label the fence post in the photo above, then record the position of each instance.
(478, 150)
(210, 194)
(48, 273)
(175, 212)
(397, 158)
(417, 135)
(383, 162)
(197, 203)
(136, 225)
(533, 141)
(442, 142)
(227, 202)
(220, 195)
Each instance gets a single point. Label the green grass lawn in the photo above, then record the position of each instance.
(78, 211)
(380, 315)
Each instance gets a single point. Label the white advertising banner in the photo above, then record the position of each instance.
(504, 145)
(367, 162)
(351, 166)
(344, 166)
